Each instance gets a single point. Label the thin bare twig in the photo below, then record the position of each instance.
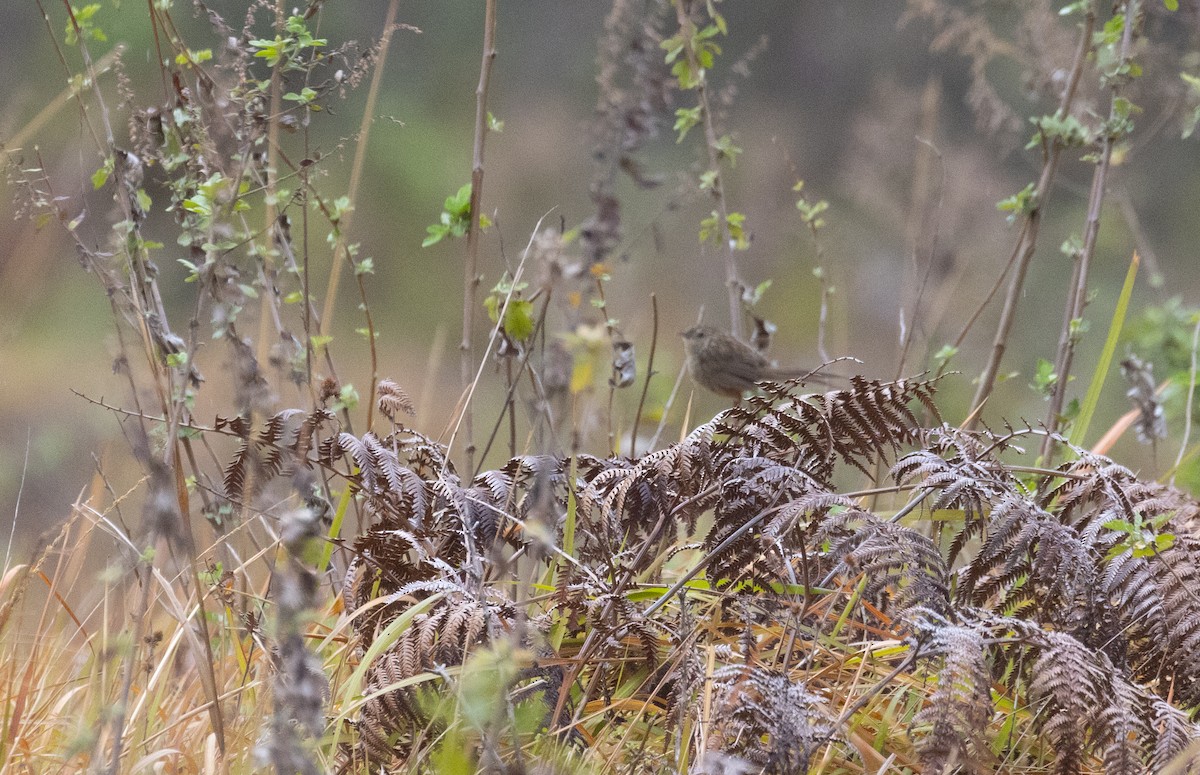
(733, 282)
(341, 253)
(929, 262)
(637, 418)
(1077, 299)
(462, 409)
(471, 265)
(1027, 240)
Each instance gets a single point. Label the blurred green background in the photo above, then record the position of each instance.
(847, 96)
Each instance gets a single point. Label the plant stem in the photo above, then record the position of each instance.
(637, 418)
(471, 266)
(733, 285)
(1083, 260)
(1027, 241)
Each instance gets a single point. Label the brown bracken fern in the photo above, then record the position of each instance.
(709, 581)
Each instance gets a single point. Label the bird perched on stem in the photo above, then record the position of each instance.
(728, 366)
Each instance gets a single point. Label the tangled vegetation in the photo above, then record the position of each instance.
(832, 582)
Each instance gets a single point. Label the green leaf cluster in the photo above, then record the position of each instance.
(1020, 203)
(734, 223)
(1067, 131)
(455, 219)
(287, 49)
(190, 58)
(83, 27)
(686, 119)
(810, 212)
(1045, 377)
(1142, 536)
(689, 70)
(1109, 60)
(305, 97)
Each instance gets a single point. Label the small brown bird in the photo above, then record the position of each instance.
(728, 366)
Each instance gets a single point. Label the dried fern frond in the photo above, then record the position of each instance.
(1055, 564)
(902, 569)
(286, 438)
(769, 718)
(445, 635)
(393, 399)
(857, 425)
(1087, 706)
(960, 708)
(1177, 651)
(965, 471)
(1046, 599)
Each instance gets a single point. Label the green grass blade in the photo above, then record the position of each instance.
(1090, 401)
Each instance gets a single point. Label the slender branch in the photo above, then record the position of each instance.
(929, 262)
(341, 253)
(167, 478)
(509, 403)
(991, 294)
(637, 418)
(356, 167)
(461, 410)
(733, 283)
(471, 265)
(1078, 299)
(1027, 240)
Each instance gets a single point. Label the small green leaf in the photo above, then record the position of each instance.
(305, 96)
(708, 227)
(1044, 377)
(686, 119)
(943, 356)
(1018, 204)
(518, 319)
(735, 225)
(1120, 525)
(437, 233)
(347, 398)
(197, 204)
(727, 150)
(100, 176)
(757, 294)
(190, 57)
